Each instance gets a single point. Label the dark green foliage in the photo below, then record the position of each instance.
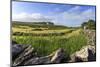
(83, 24)
(91, 24)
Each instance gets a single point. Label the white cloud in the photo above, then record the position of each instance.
(34, 17)
(90, 14)
(74, 9)
(68, 18)
(72, 18)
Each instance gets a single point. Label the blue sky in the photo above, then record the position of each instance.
(60, 14)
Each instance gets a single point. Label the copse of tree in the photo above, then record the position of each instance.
(91, 24)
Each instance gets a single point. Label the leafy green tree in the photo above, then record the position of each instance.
(84, 24)
(91, 24)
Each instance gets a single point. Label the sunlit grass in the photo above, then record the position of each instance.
(45, 45)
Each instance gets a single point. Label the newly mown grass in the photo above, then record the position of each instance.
(44, 45)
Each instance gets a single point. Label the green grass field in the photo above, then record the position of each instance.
(46, 40)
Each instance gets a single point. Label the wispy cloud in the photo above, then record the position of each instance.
(68, 15)
(74, 8)
(26, 17)
(72, 18)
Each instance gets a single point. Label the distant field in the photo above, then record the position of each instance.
(47, 38)
(32, 25)
(40, 31)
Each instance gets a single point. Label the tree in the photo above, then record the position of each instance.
(90, 24)
(84, 24)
